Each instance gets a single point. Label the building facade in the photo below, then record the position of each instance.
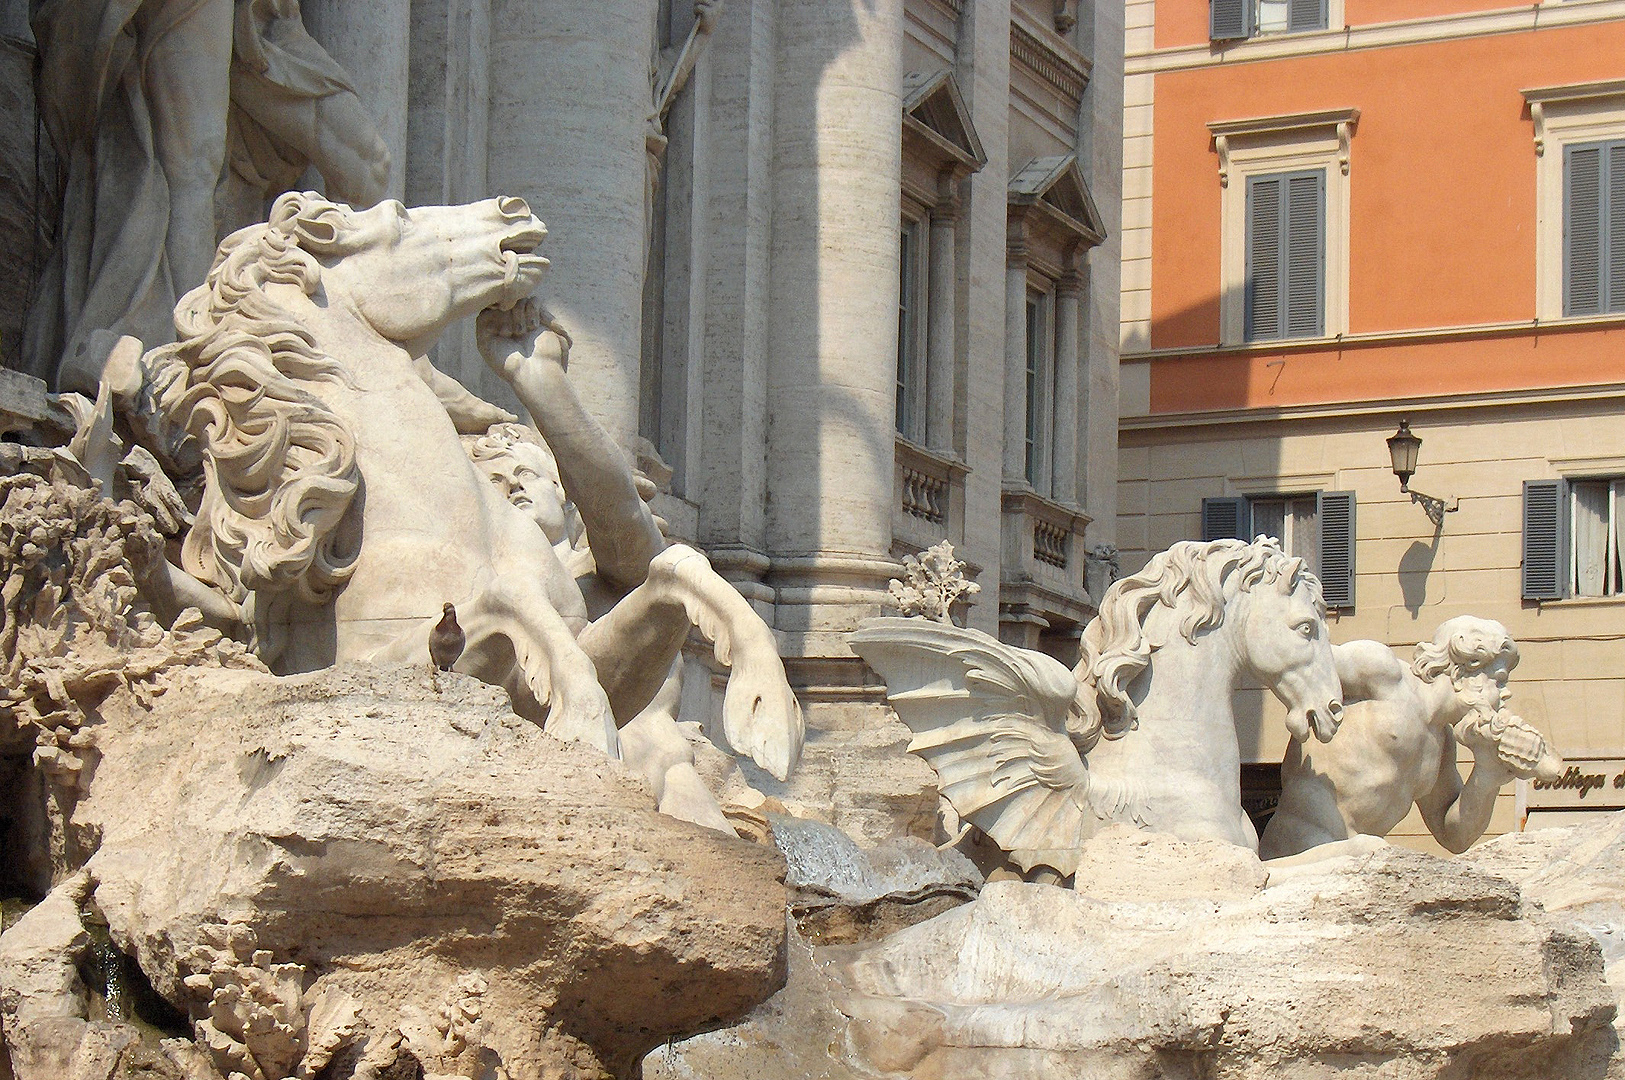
(837, 274)
(1341, 214)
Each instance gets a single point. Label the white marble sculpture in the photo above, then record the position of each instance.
(142, 99)
(1039, 757)
(1398, 742)
(340, 511)
(520, 465)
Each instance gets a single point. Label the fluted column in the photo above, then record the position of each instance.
(837, 175)
(939, 349)
(372, 43)
(1064, 469)
(570, 97)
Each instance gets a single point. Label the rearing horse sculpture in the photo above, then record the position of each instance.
(1040, 758)
(340, 512)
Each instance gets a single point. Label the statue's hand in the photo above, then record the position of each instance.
(520, 338)
(1477, 731)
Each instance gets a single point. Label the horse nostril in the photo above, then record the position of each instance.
(1335, 711)
(512, 207)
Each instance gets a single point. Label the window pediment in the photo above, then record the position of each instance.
(1573, 104)
(1054, 187)
(934, 114)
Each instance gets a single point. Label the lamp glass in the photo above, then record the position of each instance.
(1403, 448)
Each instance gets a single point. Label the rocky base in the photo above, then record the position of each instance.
(368, 872)
(1170, 962)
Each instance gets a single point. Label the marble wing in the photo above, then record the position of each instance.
(991, 720)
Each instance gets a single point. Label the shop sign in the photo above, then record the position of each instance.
(1586, 783)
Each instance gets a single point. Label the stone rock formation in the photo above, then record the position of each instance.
(345, 873)
(1391, 964)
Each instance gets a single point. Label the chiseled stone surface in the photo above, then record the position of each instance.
(419, 856)
(1395, 965)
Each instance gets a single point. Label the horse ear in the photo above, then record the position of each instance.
(312, 220)
(1290, 573)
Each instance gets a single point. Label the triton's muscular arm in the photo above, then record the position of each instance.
(525, 348)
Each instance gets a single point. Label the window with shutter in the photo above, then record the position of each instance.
(1228, 20)
(1225, 519)
(1545, 540)
(1306, 15)
(1594, 228)
(1337, 548)
(1233, 20)
(1286, 255)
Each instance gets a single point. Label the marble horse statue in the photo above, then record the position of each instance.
(340, 513)
(1039, 757)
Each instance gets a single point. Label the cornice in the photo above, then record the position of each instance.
(1050, 60)
(1544, 16)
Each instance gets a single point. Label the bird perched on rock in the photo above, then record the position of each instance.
(446, 640)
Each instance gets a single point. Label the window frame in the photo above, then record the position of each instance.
(1331, 16)
(914, 318)
(1561, 558)
(1564, 116)
(1337, 543)
(1040, 411)
(1276, 145)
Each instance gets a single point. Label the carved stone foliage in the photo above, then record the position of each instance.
(73, 624)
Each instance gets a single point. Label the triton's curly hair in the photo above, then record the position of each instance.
(1463, 644)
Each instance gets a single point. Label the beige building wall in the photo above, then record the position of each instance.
(1410, 577)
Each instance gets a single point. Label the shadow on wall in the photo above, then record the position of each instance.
(1414, 567)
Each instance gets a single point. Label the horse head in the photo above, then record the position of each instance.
(410, 273)
(1282, 639)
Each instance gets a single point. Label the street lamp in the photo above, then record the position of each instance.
(1403, 449)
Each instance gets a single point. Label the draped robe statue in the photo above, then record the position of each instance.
(142, 99)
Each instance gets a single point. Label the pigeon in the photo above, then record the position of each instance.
(446, 640)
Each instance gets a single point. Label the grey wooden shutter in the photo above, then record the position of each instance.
(1225, 519)
(1336, 514)
(1263, 288)
(1582, 229)
(1545, 540)
(1228, 19)
(1306, 15)
(1305, 262)
(1286, 255)
(1613, 281)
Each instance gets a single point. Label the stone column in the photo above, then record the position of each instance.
(1064, 469)
(570, 96)
(831, 388)
(1015, 363)
(372, 42)
(939, 350)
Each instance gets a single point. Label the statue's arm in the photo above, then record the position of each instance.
(471, 413)
(1368, 670)
(1457, 813)
(525, 348)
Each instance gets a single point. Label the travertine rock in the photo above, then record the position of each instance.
(351, 867)
(1575, 873)
(1394, 965)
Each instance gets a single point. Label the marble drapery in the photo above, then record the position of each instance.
(135, 96)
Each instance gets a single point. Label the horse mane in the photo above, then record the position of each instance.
(279, 465)
(1195, 578)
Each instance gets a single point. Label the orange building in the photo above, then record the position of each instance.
(1339, 214)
